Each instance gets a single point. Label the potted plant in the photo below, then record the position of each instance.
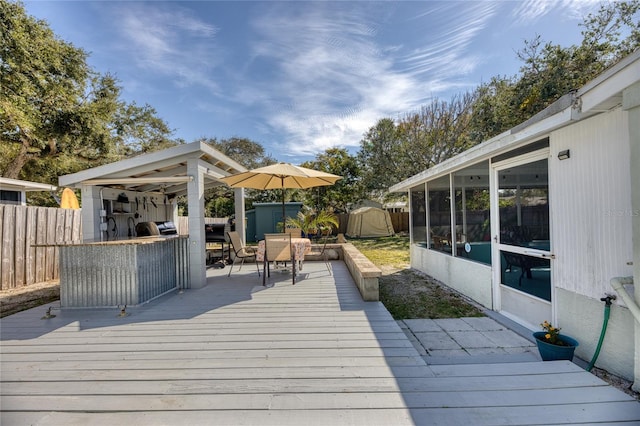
(552, 345)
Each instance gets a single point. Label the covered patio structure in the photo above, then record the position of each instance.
(144, 189)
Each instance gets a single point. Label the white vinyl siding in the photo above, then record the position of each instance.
(591, 211)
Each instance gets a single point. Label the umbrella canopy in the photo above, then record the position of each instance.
(281, 176)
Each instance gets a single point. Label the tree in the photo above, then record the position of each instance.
(245, 151)
(493, 109)
(391, 152)
(437, 132)
(379, 158)
(57, 115)
(41, 80)
(312, 221)
(550, 71)
(345, 191)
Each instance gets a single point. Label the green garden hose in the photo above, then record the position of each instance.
(607, 310)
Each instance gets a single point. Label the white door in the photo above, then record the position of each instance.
(521, 254)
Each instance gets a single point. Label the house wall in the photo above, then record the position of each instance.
(469, 278)
(581, 317)
(591, 228)
(590, 212)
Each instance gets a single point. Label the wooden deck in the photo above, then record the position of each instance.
(235, 353)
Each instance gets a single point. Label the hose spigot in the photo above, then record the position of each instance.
(608, 298)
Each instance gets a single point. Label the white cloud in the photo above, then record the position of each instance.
(531, 11)
(169, 42)
(336, 79)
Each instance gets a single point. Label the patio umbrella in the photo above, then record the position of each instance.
(281, 176)
(69, 199)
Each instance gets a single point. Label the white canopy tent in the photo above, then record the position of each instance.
(369, 222)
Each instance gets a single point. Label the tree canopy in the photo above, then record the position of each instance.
(58, 115)
(345, 191)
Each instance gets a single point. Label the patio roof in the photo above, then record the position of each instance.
(161, 171)
(7, 184)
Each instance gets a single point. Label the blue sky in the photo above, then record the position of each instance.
(299, 77)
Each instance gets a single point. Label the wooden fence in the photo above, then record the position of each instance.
(28, 236)
(400, 221)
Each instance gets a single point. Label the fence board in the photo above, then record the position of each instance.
(58, 238)
(7, 249)
(51, 239)
(24, 233)
(30, 260)
(20, 247)
(400, 221)
(41, 239)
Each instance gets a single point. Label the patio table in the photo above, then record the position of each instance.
(299, 246)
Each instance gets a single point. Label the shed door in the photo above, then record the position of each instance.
(522, 245)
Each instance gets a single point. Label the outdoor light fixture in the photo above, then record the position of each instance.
(563, 155)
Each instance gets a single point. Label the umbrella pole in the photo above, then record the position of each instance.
(283, 211)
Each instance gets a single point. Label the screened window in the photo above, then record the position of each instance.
(473, 219)
(419, 215)
(524, 205)
(440, 237)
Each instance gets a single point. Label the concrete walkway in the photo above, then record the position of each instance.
(467, 341)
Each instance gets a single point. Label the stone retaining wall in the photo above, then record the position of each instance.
(363, 271)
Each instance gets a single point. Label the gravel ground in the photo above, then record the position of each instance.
(22, 298)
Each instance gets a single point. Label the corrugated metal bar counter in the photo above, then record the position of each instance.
(125, 272)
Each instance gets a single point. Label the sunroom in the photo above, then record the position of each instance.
(536, 222)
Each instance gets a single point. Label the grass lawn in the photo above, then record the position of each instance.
(406, 293)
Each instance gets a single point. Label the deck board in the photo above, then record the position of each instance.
(235, 352)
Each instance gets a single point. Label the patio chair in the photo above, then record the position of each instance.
(322, 252)
(277, 248)
(241, 251)
(294, 232)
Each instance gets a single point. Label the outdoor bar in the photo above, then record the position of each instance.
(130, 251)
(126, 272)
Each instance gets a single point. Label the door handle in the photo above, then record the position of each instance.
(542, 255)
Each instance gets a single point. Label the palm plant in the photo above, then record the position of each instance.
(311, 221)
